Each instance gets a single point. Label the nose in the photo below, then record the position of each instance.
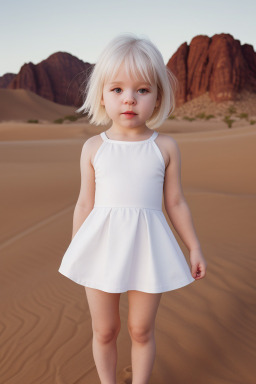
(129, 98)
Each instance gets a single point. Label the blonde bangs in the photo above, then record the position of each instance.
(136, 65)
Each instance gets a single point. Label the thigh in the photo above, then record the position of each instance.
(142, 309)
(104, 309)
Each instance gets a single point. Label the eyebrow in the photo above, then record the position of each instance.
(139, 82)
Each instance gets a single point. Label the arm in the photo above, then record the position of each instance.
(86, 196)
(179, 212)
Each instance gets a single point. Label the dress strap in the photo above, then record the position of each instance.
(154, 136)
(103, 136)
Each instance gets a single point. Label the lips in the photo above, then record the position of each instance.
(129, 113)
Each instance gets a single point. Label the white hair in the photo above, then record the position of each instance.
(140, 57)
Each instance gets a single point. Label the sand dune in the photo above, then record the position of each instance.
(205, 332)
(21, 104)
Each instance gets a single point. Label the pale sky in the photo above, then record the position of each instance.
(32, 30)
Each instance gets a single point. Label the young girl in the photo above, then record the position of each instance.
(121, 240)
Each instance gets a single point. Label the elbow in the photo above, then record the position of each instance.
(85, 207)
(174, 203)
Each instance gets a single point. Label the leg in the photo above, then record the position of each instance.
(106, 324)
(141, 323)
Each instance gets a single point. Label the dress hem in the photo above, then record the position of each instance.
(162, 289)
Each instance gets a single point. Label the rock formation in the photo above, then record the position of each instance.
(6, 79)
(59, 78)
(219, 65)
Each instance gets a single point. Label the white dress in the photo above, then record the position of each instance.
(125, 243)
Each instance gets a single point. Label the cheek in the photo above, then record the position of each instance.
(151, 102)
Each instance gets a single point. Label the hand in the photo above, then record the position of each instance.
(198, 264)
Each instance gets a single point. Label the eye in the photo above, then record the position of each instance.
(143, 89)
(116, 89)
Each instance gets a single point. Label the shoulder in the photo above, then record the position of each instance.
(167, 140)
(169, 147)
(90, 147)
(91, 142)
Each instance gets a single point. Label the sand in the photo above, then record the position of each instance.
(21, 104)
(205, 332)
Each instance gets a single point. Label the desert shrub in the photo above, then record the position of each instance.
(172, 117)
(232, 109)
(209, 117)
(32, 121)
(58, 121)
(188, 118)
(252, 122)
(71, 117)
(243, 115)
(228, 121)
(201, 115)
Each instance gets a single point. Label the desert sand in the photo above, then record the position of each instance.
(205, 332)
(21, 104)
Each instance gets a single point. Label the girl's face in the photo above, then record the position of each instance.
(124, 94)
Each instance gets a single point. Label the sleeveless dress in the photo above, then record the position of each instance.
(125, 243)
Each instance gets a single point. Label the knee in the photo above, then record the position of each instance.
(105, 334)
(140, 334)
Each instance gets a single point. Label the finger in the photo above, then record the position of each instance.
(194, 270)
(203, 273)
(200, 272)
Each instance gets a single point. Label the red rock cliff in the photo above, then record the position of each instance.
(59, 78)
(219, 65)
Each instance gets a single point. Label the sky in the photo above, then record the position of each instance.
(32, 30)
